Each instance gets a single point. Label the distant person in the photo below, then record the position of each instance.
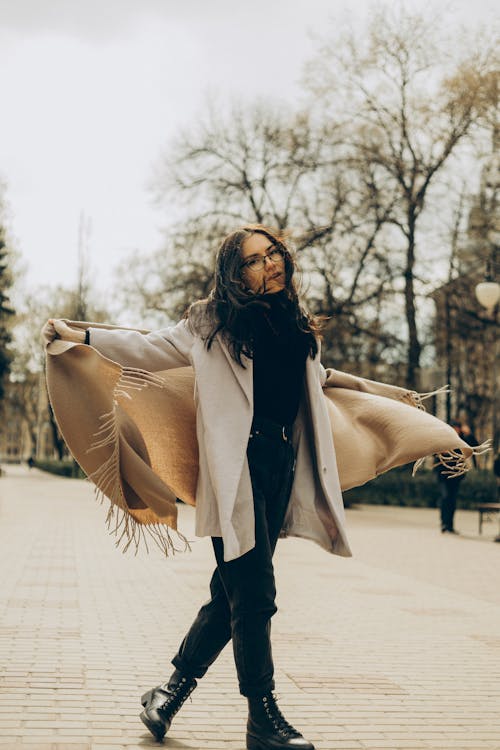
(496, 471)
(30, 462)
(450, 485)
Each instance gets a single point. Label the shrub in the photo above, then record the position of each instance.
(398, 487)
(65, 468)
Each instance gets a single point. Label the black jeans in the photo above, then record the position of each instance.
(243, 590)
(449, 493)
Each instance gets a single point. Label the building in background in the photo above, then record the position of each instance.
(466, 334)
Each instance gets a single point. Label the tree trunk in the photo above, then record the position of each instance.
(57, 440)
(449, 351)
(414, 348)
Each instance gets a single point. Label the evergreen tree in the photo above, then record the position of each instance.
(6, 312)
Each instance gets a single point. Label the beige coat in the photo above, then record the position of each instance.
(224, 411)
(154, 444)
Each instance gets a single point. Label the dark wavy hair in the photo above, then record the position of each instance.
(231, 307)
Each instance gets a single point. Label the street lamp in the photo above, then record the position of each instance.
(488, 294)
(488, 291)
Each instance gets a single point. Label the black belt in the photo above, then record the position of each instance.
(263, 426)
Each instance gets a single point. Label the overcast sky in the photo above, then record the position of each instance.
(91, 91)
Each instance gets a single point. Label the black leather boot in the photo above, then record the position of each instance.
(267, 728)
(162, 703)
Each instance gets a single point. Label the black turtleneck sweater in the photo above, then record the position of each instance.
(280, 350)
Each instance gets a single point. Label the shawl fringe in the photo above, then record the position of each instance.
(454, 460)
(128, 530)
(131, 532)
(415, 399)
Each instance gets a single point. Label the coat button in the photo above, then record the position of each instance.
(324, 469)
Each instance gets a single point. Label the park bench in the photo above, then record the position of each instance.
(490, 510)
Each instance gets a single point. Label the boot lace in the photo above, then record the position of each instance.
(176, 696)
(281, 725)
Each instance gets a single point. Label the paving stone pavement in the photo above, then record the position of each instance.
(398, 647)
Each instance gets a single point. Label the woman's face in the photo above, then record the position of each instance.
(271, 277)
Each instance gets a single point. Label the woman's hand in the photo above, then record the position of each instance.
(55, 328)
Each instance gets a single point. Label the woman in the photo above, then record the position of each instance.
(255, 316)
(265, 454)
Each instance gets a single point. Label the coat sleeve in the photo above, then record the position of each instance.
(338, 379)
(322, 375)
(159, 350)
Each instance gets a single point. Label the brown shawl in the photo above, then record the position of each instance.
(133, 433)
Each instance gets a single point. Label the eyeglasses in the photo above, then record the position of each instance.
(276, 255)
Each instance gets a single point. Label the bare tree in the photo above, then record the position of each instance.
(248, 163)
(412, 101)
(161, 287)
(24, 392)
(82, 292)
(283, 169)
